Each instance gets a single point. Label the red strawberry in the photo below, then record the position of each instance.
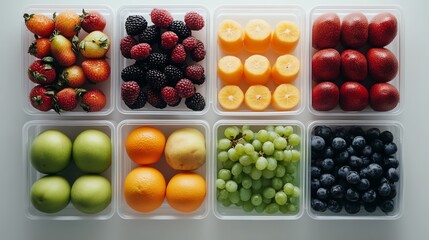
(93, 100)
(383, 97)
(326, 65)
(72, 76)
(178, 55)
(140, 51)
(40, 25)
(161, 17)
(65, 100)
(194, 21)
(40, 99)
(170, 96)
(130, 92)
(353, 96)
(96, 70)
(42, 72)
(190, 43)
(40, 48)
(325, 96)
(92, 21)
(198, 53)
(185, 88)
(126, 44)
(169, 39)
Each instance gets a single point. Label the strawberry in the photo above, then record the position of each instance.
(40, 99)
(93, 100)
(96, 70)
(92, 21)
(40, 25)
(67, 23)
(66, 100)
(40, 48)
(72, 76)
(62, 50)
(42, 72)
(95, 45)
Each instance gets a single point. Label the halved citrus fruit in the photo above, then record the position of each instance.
(257, 36)
(257, 70)
(230, 36)
(230, 70)
(285, 69)
(257, 97)
(285, 38)
(230, 97)
(285, 97)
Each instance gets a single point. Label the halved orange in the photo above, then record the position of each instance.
(230, 97)
(285, 69)
(257, 97)
(285, 38)
(230, 36)
(257, 70)
(230, 70)
(285, 97)
(257, 36)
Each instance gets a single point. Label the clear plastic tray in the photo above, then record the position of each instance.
(272, 14)
(27, 37)
(237, 213)
(397, 130)
(71, 128)
(396, 46)
(178, 12)
(126, 165)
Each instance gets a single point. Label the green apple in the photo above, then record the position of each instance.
(50, 194)
(91, 193)
(92, 151)
(51, 151)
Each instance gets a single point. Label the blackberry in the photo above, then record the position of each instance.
(196, 102)
(157, 61)
(156, 79)
(135, 24)
(133, 73)
(143, 65)
(173, 74)
(140, 102)
(200, 81)
(154, 98)
(180, 29)
(150, 35)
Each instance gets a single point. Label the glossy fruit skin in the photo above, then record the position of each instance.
(353, 96)
(354, 30)
(383, 97)
(186, 191)
(50, 194)
(354, 65)
(92, 21)
(383, 28)
(41, 72)
(72, 76)
(66, 100)
(325, 96)
(40, 99)
(326, 65)
(326, 31)
(40, 48)
(96, 70)
(92, 151)
(95, 45)
(39, 24)
(91, 193)
(93, 100)
(62, 51)
(67, 23)
(382, 64)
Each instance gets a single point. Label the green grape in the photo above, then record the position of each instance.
(257, 145)
(272, 208)
(288, 131)
(255, 174)
(231, 186)
(228, 164)
(262, 136)
(237, 178)
(234, 197)
(296, 155)
(280, 143)
(224, 174)
(248, 206)
(248, 135)
(254, 156)
(236, 169)
(268, 148)
(266, 182)
(269, 128)
(272, 136)
(239, 149)
(292, 208)
(272, 163)
(280, 198)
(268, 174)
(245, 160)
(226, 202)
(284, 208)
(244, 128)
(288, 178)
(269, 192)
(260, 208)
(291, 169)
(256, 185)
(294, 139)
(248, 148)
(246, 182)
(294, 200)
(266, 200)
(288, 189)
(223, 194)
(277, 183)
(246, 169)
(287, 155)
(296, 192)
(279, 155)
(220, 183)
(280, 130)
(256, 199)
(245, 194)
(261, 163)
(222, 156)
(280, 171)
(224, 144)
(233, 155)
(239, 203)
(231, 132)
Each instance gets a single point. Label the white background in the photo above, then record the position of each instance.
(412, 225)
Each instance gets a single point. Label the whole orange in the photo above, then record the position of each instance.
(144, 189)
(186, 191)
(145, 145)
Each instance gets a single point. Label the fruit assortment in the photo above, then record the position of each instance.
(258, 168)
(352, 65)
(255, 39)
(67, 61)
(167, 61)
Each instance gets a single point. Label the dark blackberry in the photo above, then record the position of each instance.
(196, 102)
(154, 98)
(135, 25)
(140, 102)
(173, 74)
(157, 61)
(180, 29)
(143, 65)
(200, 81)
(133, 73)
(150, 35)
(156, 79)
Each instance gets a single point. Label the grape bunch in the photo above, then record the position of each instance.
(258, 170)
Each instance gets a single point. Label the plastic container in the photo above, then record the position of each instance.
(178, 12)
(27, 37)
(126, 165)
(234, 212)
(71, 128)
(396, 47)
(272, 14)
(397, 130)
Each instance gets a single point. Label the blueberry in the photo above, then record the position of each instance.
(327, 180)
(327, 164)
(367, 151)
(342, 157)
(358, 143)
(343, 171)
(383, 180)
(334, 206)
(387, 206)
(352, 207)
(355, 162)
(369, 196)
(324, 132)
(363, 184)
(384, 189)
(392, 174)
(317, 143)
(337, 191)
(329, 152)
(393, 192)
(322, 193)
(377, 158)
(318, 205)
(390, 148)
(315, 172)
(386, 136)
(363, 172)
(391, 162)
(372, 133)
(353, 177)
(356, 130)
(351, 150)
(375, 171)
(340, 132)
(315, 184)
(370, 207)
(365, 161)
(338, 143)
(352, 195)
(377, 145)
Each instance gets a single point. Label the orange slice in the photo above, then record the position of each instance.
(230, 70)
(285, 37)
(230, 97)
(257, 97)
(257, 70)
(285, 69)
(285, 97)
(230, 36)
(257, 36)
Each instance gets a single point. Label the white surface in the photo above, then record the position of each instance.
(412, 225)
